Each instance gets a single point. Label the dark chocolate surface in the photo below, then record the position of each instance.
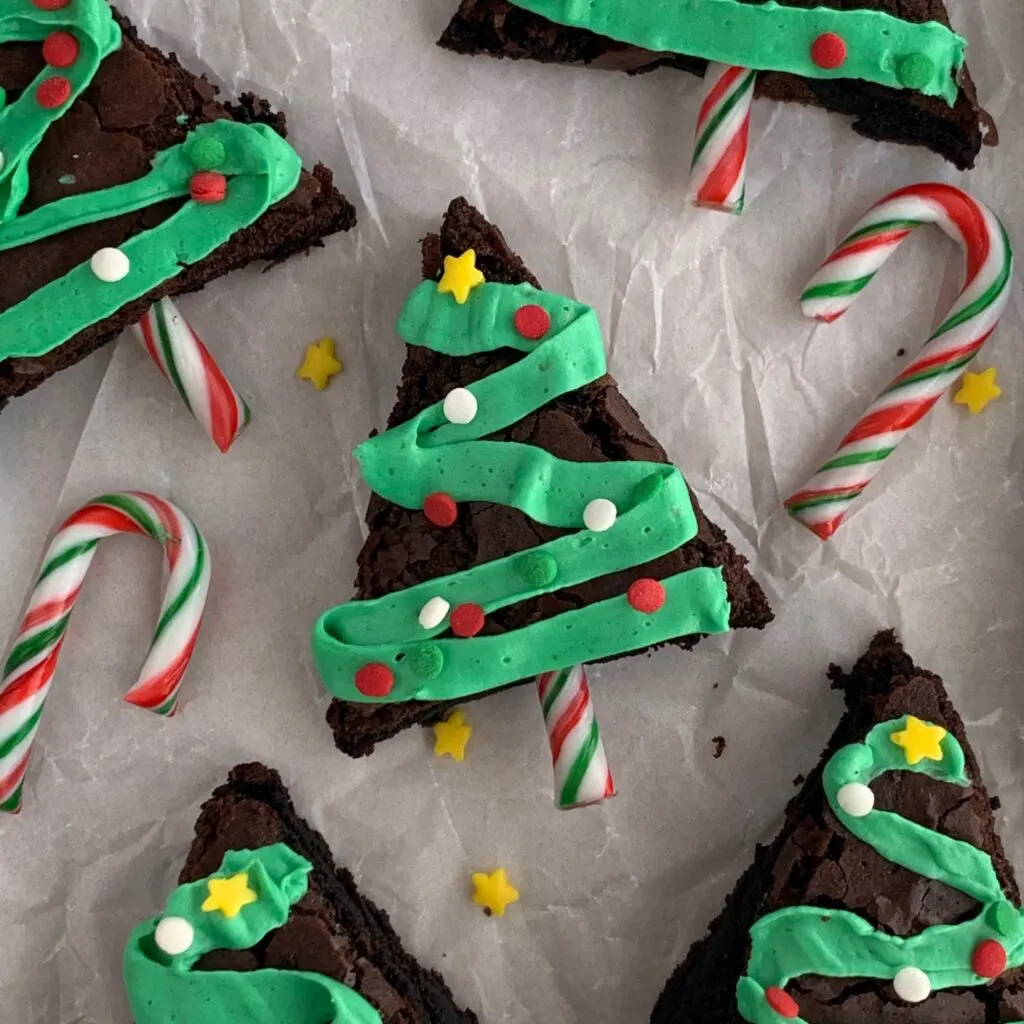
(814, 860)
(333, 930)
(500, 29)
(593, 424)
(108, 137)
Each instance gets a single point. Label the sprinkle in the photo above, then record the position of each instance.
(440, 509)
(206, 154)
(920, 740)
(375, 680)
(493, 892)
(977, 390)
(467, 620)
(51, 5)
(538, 568)
(452, 735)
(912, 984)
(460, 276)
(228, 895)
(208, 187)
(320, 364)
(781, 1001)
(532, 322)
(828, 51)
(433, 612)
(174, 935)
(646, 595)
(460, 406)
(915, 70)
(110, 265)
(426, 661)
(60, 49)
(53, 93)
(856, 799)
(989, 959)
(600, 515)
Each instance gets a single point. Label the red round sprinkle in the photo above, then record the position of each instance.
(208, 187)
(375, 680)
(440, 509)
(646, 595)
(51, 5)
(989, 959)
(532, 322)
(781, 1001)
(54, 92)
(60, 49)
(467, 620)
(828, 51)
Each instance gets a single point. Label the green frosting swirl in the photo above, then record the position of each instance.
(880, 48)
(163, 989)
(806, 940)
(428, 454)
(260, 166)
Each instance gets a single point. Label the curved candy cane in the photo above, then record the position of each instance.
(184, 360)
(31, 665)
(826, 498)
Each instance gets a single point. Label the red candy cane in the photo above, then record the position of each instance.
(32, 663)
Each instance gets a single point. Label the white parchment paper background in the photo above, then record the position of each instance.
(585, 172)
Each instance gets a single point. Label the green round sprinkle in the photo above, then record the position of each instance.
(207, 154)
(427, 661)
(915, 70)
(1006, 919)
(538, 568)
(648, 488)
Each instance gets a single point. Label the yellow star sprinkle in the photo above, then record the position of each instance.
(920, 740)
(460, 276)
(452, 735)
(229, 895)
(493, 892)
(977, 390)
(320, 364)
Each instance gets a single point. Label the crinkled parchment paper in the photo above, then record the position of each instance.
(585, 171)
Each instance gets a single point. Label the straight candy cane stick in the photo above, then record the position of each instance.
(718, 169)
(581, 769)
(184, 360)
(31, 665)
(823, 502)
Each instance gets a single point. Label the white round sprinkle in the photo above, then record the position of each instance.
(912, 984)
(856, 799)
(433, 612)
(110, 265)
(600, 515)
(174, 935)
(460, 406)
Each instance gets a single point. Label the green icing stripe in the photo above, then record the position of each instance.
(164, 989)
(428, 454)
(24, 122)
(776, 37)
(262, 169)
(805, 940)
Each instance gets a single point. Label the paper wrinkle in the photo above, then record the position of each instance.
(585, 172)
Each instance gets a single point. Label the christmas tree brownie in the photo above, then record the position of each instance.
(564, 537)
(894, 66)
(265, 929)
(886, 897)
(123, 180)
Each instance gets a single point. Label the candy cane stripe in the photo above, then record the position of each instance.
(953, 344)
(32, 662)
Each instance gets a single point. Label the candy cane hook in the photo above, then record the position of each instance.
(31, 665)
(823, 502)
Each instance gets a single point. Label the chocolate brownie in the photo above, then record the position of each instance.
(333, 930)
(816, 861)
(500, 29)
(140, 102)
(592, 424)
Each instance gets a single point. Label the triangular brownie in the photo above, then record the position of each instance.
(265, 928)
(906, 910)
(105, 143)
(405, 548)
(549, 31)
